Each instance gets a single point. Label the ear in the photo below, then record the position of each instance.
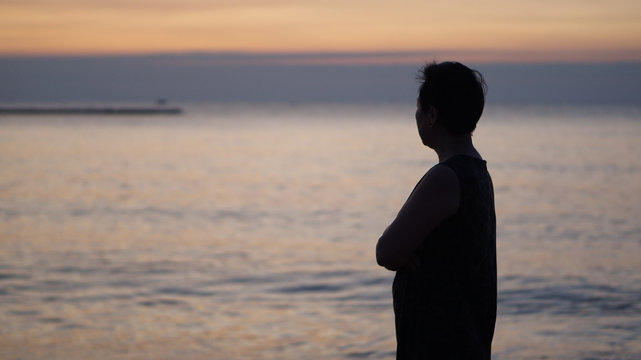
(432, 115)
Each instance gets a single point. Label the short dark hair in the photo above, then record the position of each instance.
(456, 92)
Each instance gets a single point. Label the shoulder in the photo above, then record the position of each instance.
(441, 172)
(440, 177)
(439, 189)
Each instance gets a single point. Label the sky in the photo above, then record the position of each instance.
(490, 30)
(296, 78)
(543, 51)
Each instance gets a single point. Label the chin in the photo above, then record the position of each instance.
(427, 143)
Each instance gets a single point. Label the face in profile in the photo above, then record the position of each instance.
(424, 124)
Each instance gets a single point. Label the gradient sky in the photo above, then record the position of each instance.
(493, 30)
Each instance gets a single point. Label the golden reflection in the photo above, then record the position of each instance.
(252, 237)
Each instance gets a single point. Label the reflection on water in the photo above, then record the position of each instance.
(248, 232)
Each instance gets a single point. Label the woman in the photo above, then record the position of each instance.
(442, 243)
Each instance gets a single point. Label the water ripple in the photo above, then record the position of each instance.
(582, 298)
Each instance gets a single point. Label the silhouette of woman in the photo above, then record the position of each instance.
(442, 243)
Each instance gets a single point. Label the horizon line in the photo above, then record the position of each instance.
(372, 57)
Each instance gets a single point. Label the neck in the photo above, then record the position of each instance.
(456, 145)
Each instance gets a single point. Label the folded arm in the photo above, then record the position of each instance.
(435, 198)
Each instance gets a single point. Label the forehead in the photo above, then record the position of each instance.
(418, 103)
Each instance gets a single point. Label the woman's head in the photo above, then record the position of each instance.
(456, 92)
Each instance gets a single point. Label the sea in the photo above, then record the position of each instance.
(247, 231)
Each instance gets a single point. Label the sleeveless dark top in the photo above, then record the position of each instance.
(446, 308)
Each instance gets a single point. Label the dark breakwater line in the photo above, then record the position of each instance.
(90, 110)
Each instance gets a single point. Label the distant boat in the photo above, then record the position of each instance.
(107, 110)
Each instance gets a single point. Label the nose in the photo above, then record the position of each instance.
(418, 115)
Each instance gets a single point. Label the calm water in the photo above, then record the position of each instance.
(248, 232)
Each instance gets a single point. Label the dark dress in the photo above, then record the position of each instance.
(446, 308)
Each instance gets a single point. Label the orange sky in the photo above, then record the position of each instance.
(507, 30)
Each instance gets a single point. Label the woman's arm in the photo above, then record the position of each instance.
(434, 199)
